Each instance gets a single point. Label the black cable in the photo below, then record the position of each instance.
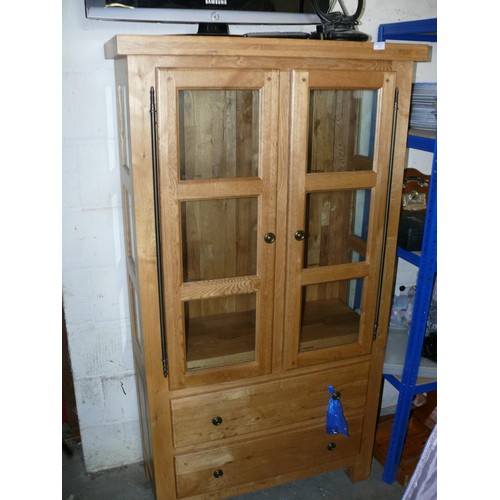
(338, 20)
(357, 12)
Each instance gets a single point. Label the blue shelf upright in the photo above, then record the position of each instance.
(407, 386)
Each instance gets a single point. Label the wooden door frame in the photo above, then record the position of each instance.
(174, 191)
(302, 182)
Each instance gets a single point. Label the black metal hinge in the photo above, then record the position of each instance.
(386, 215)
(159, 259)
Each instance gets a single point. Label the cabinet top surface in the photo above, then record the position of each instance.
(168, 45)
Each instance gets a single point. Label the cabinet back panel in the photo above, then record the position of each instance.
(218, 133)
(219, 238)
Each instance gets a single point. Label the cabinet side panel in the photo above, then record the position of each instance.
(123, 121)
(404, 71)
(140, 78)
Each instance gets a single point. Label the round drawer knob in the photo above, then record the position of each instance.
(217, 421)
(218, 473)
(331, 446)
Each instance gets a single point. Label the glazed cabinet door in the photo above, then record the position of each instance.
(340, 144)
(217, 150)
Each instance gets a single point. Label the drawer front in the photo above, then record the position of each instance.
(236, 412)
(262, 458)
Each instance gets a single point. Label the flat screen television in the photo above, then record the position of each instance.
(210, 15)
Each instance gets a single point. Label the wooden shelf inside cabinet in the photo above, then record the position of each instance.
(235, 332)
(222, 339)
(328, 323)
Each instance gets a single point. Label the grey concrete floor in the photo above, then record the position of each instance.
(130, 483)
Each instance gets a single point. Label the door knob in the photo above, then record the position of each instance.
(269, 237)
(300, 235)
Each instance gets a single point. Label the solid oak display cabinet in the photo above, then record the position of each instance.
(261, 186)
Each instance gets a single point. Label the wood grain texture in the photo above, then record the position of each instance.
(262, 458)
(266, 405)
(127, 45)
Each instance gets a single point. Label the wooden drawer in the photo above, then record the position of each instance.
(256, 460)
(264, 406)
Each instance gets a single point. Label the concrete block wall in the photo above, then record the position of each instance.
(93, 266)
(94, 285)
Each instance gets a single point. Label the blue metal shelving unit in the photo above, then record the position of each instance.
(424, 30)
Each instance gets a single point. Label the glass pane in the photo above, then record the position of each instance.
(366, 122)
(330, 314)
(218, 133)
(341, 130)
(219, 238)
(220, 331)
(336, 227)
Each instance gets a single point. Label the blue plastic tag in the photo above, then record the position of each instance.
(335, 420)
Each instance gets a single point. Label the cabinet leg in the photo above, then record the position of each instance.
(360, 471)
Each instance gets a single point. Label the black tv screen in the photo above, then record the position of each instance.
(263, 12)
(294, 6)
